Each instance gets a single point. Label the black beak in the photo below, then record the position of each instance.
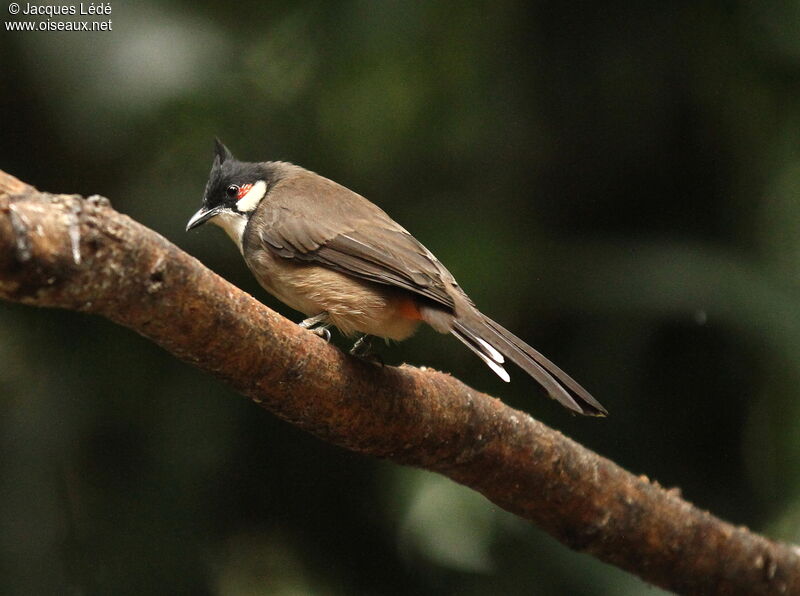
(201, 217)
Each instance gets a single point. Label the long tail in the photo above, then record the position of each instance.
(491, 342)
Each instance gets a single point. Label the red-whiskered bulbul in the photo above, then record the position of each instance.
(340, 260)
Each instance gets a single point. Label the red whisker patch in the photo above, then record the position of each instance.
(243, 190)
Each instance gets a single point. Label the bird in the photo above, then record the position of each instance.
(339, 259)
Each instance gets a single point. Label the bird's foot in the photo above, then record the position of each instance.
(323, 332)
(320, 319)
(318, 325)
(363, 349)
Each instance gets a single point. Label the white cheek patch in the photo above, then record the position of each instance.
(253, 197)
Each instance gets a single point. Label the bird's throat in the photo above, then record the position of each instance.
(233, 224)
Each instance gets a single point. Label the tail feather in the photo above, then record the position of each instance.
(485, 337)
(574, 387)
(485, 352)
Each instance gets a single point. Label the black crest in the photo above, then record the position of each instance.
(221, 152)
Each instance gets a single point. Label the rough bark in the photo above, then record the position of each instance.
(74, 253)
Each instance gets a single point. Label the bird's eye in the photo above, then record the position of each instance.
(232, 191)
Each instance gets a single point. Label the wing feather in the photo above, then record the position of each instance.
(355, 237)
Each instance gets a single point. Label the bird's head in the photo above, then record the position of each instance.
(233, 192)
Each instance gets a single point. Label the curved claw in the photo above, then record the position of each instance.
(322, 332)
(318, 326)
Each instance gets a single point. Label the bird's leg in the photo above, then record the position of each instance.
(314, 321)
(362, 347)
(318, 325)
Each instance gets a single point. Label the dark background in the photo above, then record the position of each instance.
(615, 182)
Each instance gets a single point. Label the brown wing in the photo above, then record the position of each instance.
(350, 235)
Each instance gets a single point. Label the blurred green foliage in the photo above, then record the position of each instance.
(616, 183)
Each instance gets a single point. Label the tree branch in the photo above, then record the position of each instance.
(79, 254)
